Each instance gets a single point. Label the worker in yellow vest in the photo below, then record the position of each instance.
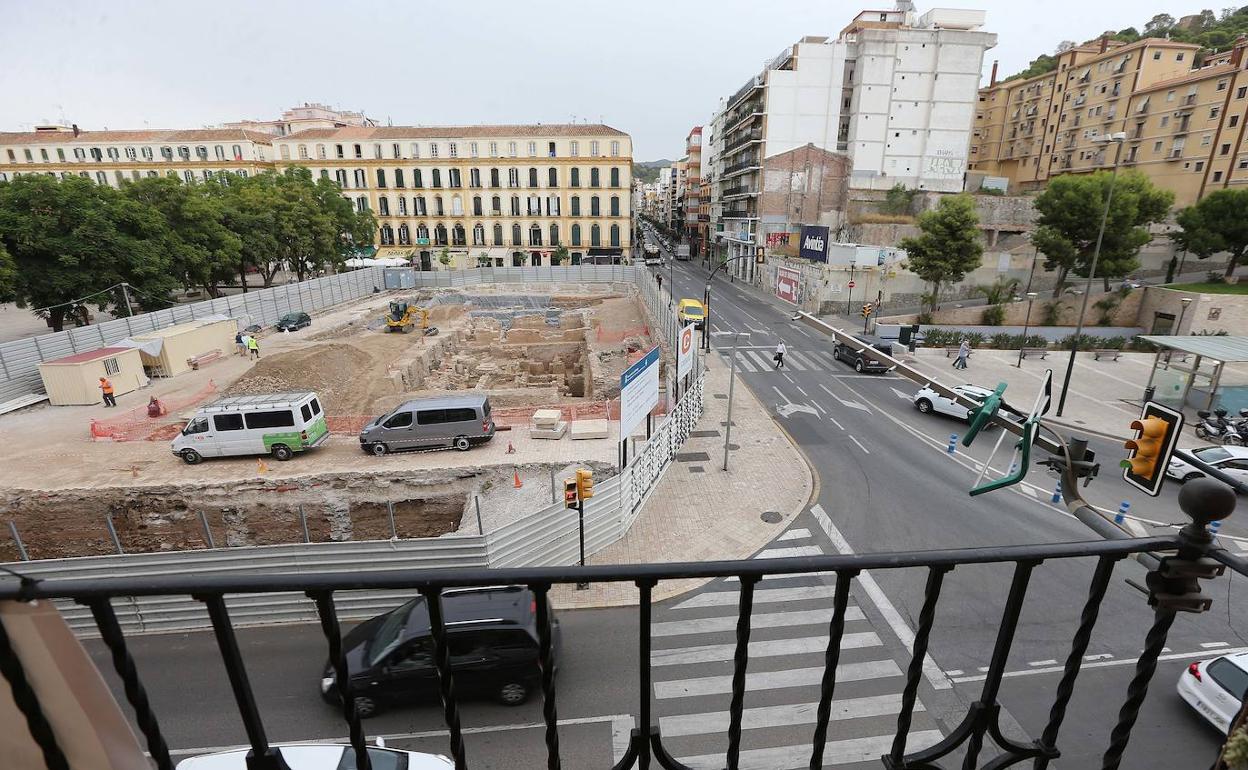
(107, 387)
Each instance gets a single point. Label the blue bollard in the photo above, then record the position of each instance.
(1123, 507)
(1214, 526)
(1057, 493)
(953, 443)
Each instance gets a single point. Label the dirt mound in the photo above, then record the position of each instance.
(332, 370)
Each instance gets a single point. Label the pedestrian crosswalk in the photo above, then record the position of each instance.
(693, 648)
(794, 360)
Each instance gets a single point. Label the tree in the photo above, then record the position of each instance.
(560, 256)
(1038, 66)
(1218, 222)
(8, 276)
(998, 291)
(1065, 46)
(73, 240)
(1159, 24)
(1071, 208)
(1128, 35)
(949, 246)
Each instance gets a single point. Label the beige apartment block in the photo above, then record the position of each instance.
(480, 195)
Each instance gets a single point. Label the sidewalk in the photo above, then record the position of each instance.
(701, 513)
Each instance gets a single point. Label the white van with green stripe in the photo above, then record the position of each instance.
(278, 424)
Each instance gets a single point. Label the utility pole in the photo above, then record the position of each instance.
(126, 295)
(732, 379)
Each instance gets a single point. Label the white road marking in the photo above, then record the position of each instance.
(761, 596)
(954, 672)
(763, 362)
(795, 534)
(784, 553)
(774, 680)
(843, 402)
(816, 405)
(1034, 663)
(788, 715)
(820, 616)
(1197, 655)
(780, 394)
(784, 410)
(1213, 645)
(806, 360)
(835, 753)
(934, 675)
(791, 363)
(859, 443)
(721, 653)
(621, 737)
(834, 422)
(799, 389)
(901, 394)
(787, 377)
(744, 362)
(1098, 656)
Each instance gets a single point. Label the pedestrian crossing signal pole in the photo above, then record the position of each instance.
(867, 310)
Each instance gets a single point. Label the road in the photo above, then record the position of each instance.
(884, 482)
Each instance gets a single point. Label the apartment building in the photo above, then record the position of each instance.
(690, 225)
(306, 116)
(499, 195)
(1028, 130)
(894, 94)
(113, 157)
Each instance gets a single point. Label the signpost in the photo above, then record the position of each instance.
(787, 281)
(639, 393)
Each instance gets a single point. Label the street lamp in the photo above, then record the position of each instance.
(1118, 139)
(732, 378)
(1031, 297)
(1184, 303)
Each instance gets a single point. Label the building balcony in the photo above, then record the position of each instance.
(752, 85)
(741, 191)
(704, 217)
(749, 137)
(737, 168)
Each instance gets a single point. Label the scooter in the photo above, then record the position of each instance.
(1217, 428)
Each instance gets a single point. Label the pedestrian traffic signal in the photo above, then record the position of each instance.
(569, 493)
(1157, 432)
(760, 254)
(585, 483)
(867, 310)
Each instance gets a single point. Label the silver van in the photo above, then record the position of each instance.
(430, 423)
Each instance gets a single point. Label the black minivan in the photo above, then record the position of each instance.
(863, 360)
(491, 635)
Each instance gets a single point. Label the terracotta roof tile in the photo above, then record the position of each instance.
(172, 136)
(429, 132)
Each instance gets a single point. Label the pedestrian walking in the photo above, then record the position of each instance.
(106, 387)
(253, 346)
(779, 356)
(240, 347)
(964, 352)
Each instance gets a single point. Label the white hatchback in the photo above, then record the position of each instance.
(1216, 688)
(323, 756)
(1231, 460)
(928, 400)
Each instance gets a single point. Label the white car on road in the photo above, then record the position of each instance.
(1231, 460)
(928, 400)
(323, 756)
(1216, 688)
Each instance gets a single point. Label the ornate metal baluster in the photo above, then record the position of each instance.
(831, 657)
(342, 675)
(446, 685)
(110, 632)
(914, 672)
(1138, 688)
(262, 756)
(740, 659)
(1074, 661)
(28, 703)
(546, 660)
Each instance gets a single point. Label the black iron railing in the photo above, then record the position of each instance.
(1187, 555)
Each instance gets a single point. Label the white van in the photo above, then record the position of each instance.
(279, 424)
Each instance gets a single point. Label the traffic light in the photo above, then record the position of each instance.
(760, 254)
(868, 309)
(569, 493)
(1157, 432)
(585, 483)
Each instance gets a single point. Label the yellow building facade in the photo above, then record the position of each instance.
(480, 195)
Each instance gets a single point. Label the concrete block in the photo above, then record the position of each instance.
(545, 418)
(556, 432)
(584, 429)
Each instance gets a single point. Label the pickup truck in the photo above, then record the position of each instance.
(682, 251)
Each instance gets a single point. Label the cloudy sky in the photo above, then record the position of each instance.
(653, 68)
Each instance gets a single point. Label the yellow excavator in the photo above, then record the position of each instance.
(402, 317)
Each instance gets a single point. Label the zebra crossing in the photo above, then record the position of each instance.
(693, 647)
(794, 360)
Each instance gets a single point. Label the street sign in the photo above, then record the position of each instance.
(787, 282)
(684, 351)
(851, 284)
(639, 391)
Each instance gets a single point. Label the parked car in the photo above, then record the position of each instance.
(691, 311)
(279, 424)
(1232, 460)
(323, 756)
(928, 401)
(492, 640)
(430, 423)
(863, 361)
(293, 322)
(1216, 688)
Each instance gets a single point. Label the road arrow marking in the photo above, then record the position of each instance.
(900, 394)
(788, 409)
(843, 402)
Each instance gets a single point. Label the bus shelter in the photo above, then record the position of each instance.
(1188, 370)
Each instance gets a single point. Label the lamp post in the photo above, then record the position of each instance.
(1183, 305)
(732, 378)
(1031, 297)
(1118, 139)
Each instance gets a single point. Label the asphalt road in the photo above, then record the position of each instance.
(885, 483)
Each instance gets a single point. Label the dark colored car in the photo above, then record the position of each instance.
(293, 322)
(492, 637)
(863, 361)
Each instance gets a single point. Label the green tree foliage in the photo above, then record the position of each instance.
(1210, 31)
(1071, 208)
(1217, 223)
(561, 255)
(8, 276)
(1038, 66)
(949, 246)
(897, 200)
(72, 238)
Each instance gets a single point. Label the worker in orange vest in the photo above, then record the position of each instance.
(107, 387)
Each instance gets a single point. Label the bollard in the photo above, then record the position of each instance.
(1123, 507)
(21, 547)
(1057, 493)
(112, 531)
(953, 443)
(477, 502)
(394, 534)
(1214, 526)
(303, 520)
(203, 519)
(554, 493)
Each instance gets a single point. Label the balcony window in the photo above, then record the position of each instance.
(594, 208)
(576, 205)
(476, 205)
(457, 206)
(595, 235)
(517, 238)
(478, 234)
(383, 206)
(615, 205)
(498, 234)
(435, 177)
(438, 208)
(513, 177)
(532, 177)
(515, 205)
(615, 177)
(575, 180)
(340, 176)
(402, 205)
(422, 233)
(454, 179)
(474, 177)
(494, 178)
(398, 178)
(615, 235)
(387, 235)
(453, 150)
(381, 178)
(458, 238)
(417, 181)
(554, 233)
(535, 235)
(594, 180)
(361, 204)
(576, 235)
(496, 206)
(405, 235)
(439, 235)
(574, 149)
(552, 177)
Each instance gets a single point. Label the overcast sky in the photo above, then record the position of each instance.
(653, 68)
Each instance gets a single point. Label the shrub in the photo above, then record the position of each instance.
(925, 318)
(1050, 313)
(898, 200)
(882, 219)
(1005, 341)
(989, 191)
(1086, 342)
(1113, 343)
(1214, 276)
(975, 338)
(993, 315)
(1142, 345)
(1036, 341)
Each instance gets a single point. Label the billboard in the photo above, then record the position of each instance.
(787, 282)
(777, 239)
(684, 350)
(639, 392)
(814, 243)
